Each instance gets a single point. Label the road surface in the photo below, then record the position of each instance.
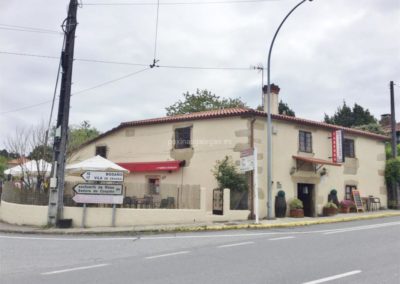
(353, 252)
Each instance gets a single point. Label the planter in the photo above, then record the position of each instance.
(344, 209)
(280, 207)
(297, 213)
(329, 211)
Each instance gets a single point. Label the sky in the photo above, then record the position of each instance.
(327, 51)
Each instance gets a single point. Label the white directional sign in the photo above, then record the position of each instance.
(103, 176)
(246, 160)
(103, 189)
(102, 199)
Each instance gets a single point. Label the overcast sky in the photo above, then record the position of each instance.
(328, 51)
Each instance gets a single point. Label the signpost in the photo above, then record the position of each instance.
(248, 162)
(104, 189)
(103, 176)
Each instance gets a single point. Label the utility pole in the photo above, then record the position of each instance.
(393, 122)
(55, 211)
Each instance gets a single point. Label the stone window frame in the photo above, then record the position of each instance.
(305, 141)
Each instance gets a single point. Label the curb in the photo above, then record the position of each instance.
(199, 228)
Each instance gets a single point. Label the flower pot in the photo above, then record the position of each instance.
(280, 207)
(297, 213)
(329, 211)
(344, 209)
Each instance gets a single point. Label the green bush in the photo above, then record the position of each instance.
(392, 171)
(333, 192)
(330, 205)
(228, 176)
(296, 204)
(281, 193)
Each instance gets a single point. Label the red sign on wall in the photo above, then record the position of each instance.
(337, 146)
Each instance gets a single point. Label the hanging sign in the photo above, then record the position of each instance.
(337, 146)
(246, 160)
(103, 176)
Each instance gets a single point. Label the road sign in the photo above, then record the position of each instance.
(103, 176)
(100, 189)
(246, 160)
(102, 199)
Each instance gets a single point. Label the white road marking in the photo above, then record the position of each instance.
(75, 269)
(282, 238)
(168, 254)
(367, 227)
(234, 245)
(200, 236)
(330, 278)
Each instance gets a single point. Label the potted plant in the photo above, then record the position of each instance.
(296, 208)
(280, 204)
(345, 206)
(330, 209)
(332, 197)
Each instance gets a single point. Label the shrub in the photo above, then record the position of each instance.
(296, 204)
(346, 203)
(228, 176)
(333, 192)
(330, 205)
(392, 171)
(281, 193)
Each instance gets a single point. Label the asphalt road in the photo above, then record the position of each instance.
(353, 252)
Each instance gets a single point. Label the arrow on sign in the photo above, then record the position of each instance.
(103, 176)
(100, 189)
(103, 199)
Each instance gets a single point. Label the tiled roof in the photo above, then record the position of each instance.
(232, 112)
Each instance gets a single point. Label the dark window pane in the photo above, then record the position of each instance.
(182, 138)
(349, 148)
(101, 151)
(305, 141)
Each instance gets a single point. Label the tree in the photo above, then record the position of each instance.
(202, 100)
(348, 117)
(3, 166)
(80, 134)
(228, 176)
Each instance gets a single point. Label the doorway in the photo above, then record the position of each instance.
(305, 192)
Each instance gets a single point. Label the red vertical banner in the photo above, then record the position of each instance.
(334, 147)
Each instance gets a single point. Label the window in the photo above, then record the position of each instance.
(348, 190)
(349, 148)
(305, 142)
(101, 151)
(154, 186)
(182, 138)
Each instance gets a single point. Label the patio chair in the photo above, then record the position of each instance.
(127, 201)
(375, 203)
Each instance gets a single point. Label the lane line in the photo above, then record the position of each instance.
(282, 238)
(167, 254)
(203, 236)
(368, 227)
(75, 269)
(330, 278)
(235, 245)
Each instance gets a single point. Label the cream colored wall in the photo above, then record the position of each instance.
(212, 140)
(21, 214)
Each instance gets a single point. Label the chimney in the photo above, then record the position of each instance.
(386, 120)
(274, 99)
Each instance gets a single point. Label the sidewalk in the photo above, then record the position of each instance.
(196, 227)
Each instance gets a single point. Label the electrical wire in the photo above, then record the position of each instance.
(30, 28)
(129, 63)
(177, 3)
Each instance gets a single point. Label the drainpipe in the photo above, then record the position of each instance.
(252, 181)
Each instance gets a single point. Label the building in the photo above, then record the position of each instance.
(184, 149)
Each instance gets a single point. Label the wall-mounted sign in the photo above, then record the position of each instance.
(99, 199)
(103, 176)
(104, 189)
(337, 146)
(246, 160)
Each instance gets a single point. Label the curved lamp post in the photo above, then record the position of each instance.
(269, 120)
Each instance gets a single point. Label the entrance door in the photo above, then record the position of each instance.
(305, 193)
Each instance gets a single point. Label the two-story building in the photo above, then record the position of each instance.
(183, 149)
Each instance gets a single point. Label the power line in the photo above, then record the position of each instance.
(129, 63)
(177, 3)
(30, 28)
(78, 92)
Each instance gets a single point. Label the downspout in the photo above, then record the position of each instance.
(252, 181)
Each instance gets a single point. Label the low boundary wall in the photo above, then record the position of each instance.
(36, 215)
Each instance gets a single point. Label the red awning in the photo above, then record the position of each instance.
(316, 161)
(152, 166)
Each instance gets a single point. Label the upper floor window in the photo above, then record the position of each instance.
(349, 148)
(182, 138)
(305, 141)
(101, 151)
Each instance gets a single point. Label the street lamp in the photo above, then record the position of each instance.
(269, 120)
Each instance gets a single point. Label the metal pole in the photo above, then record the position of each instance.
(113, 215)
(83, 216)
(393, 121)
(55, 211)
(269, 118)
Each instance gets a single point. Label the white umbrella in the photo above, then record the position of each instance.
(96, 163)
(32, 168)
